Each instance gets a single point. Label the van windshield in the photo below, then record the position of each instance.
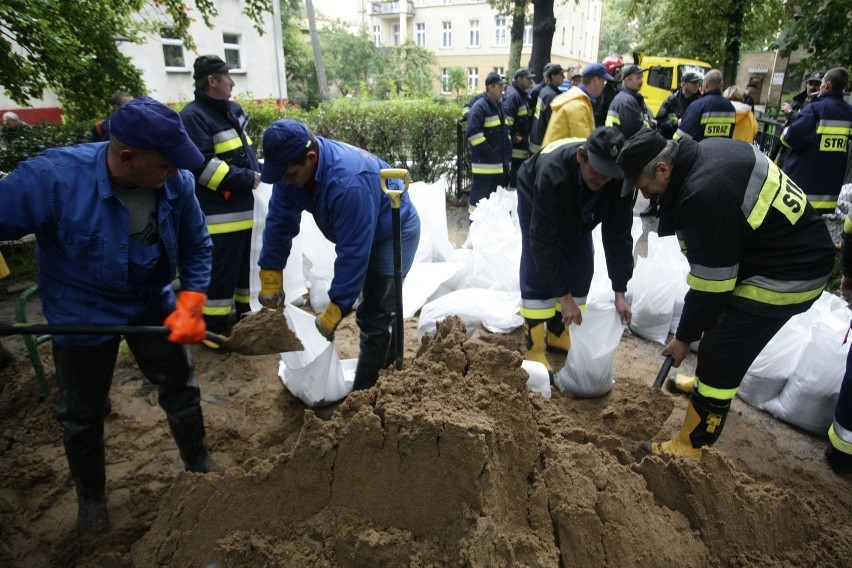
(684, 69)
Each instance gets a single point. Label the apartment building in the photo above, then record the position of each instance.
(472, 35)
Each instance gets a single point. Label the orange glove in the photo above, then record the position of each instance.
(187, 321)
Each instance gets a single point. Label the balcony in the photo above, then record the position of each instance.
(389, 9)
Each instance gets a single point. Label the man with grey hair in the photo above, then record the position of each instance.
(711, 116)
(758, 254)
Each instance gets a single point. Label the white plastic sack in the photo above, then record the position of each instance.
(653, 288)
(539, 378)
(431, 204)
(496, 310)
(588, 370)
(495, 240)
(314, 376)
(422, 281)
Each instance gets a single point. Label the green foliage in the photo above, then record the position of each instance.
(618, 34)
(458, 81)
(35, 139)
(821, 27)
(71, 47)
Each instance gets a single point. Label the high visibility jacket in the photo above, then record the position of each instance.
(711, 116)
(573, 116)
(488, 137)
(672, 109)
(746, 126)
(349, 208)
(751, 238)
(87, 259)
(541, 116)
(819, 139)
(560, 205)
(516, 106)
(225, 181)
(629, 113)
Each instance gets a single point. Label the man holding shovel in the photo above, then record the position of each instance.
(758, 254)
(114, 222)
(341, 186)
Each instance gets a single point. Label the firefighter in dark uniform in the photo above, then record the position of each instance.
(224, 187)
(758, 254)
(516, 105)
(488, 136)
(564, 192)
(818, 140)
(711, 116)
(554, 76)
(838, 451)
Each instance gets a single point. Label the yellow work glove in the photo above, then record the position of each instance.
(271, 289)
(328, 321)
(187, 321)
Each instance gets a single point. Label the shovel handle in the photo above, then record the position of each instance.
(664, 372)
(395, 195)
(48, 329)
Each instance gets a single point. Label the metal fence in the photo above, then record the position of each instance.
(464, 175)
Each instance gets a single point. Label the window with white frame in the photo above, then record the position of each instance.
(472, 78)
(395, 33)
(420, 34)
(447, 2)
(173, 55)
(528, 34)
(377, 36)
(418, 2)
(446, 35)
(232, 50)
(498, 70)
(473, 33)
(500, 31)
(445, 80)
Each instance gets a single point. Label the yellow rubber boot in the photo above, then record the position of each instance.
(558, 338)
(702, 426)
(681, 384)
(535, 333)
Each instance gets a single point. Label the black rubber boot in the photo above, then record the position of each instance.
(88, 469)
(374, 317)
(6, 357)
(188, 431)
(840, 462)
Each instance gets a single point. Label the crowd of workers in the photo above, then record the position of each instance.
(170, 195)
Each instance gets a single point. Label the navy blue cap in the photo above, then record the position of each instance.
(284, 140)
(640, 149)
(597, 70)
(603, 146)
(209, 64)
(148, 123)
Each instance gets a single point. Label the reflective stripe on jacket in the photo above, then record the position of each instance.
(488, 137)
(711, 116)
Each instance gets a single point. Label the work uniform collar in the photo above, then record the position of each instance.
(588, 94)
(222, 105)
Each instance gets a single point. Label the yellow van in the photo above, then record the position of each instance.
(663, 75)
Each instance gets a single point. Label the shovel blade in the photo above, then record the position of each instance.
(263, 333)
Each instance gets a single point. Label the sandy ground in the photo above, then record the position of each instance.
(449, 462)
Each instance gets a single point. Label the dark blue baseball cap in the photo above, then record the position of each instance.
(149, 124)
(597, 70)
(284, 141)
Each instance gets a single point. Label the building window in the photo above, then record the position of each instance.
(395, 33)
(500, 31)
(232, 50)
(420, 34)
(472, 78)
(473, 33)
(377, 35)
(173, 55)
(418, 2)
(446, 35)
(447, 2)
(528, 34)
(498, 70)
(445, 80)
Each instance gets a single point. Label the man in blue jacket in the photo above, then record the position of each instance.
(115, 222)
(711, 116)
(818, 140)
(340, 186)
(490, 145)
(224, 186)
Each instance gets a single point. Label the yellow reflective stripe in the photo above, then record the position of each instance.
(714, 118)
(842, 130)
(823, 204)
(523, 111)
(537, 313)
(775, 298)
(491, 121)
(226, 141)
(612, 120)
(520, 154)
(242, 298)
(214, 173)
(847, 225)
(487, 168)
(682, 244)
(248, 139)
(476, 139)
(534, 148)
(714, 286)
(777, 191)
(561, 142)
(510, 121)
(834, 135)
(218, 311)
(835, 431)
(231, 227)
(712, 392)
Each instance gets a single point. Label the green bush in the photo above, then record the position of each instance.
(34, 140)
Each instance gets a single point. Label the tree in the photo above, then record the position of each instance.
(618, 32)
(458, 81)
(820, 27)
(350, 59)
(517, 9)
(544, 26)
(71, 47)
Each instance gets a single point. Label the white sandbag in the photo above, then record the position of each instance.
(294, 278)
(430, 200)
(810, 395)
(495, 310)
(653, 288)
(422, 281)
(539, 378)
(314, 376)
(495, 240)
(588, 370)
(666, 251)
(601, 287)
(319, 256)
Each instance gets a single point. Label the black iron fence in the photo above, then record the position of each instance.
(464, 175)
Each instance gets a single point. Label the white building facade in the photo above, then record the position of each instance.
(472, 35)
(166, 64)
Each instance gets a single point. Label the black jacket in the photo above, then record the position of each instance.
(673, 108)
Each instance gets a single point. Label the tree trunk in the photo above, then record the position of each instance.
(516, 41)
(544, 26)
(734, 17)
(315, 42)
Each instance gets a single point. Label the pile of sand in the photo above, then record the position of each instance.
(453, 462)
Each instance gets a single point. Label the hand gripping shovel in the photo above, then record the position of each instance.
(664, 372)
(268, 338)
(395, 196)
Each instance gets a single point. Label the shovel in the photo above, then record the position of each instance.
(270, 338)
(395, 196)
(664, 372)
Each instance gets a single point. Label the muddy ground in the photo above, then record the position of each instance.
(449, 462)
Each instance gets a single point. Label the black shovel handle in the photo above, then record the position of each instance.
(664, 372)
(48, 329)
